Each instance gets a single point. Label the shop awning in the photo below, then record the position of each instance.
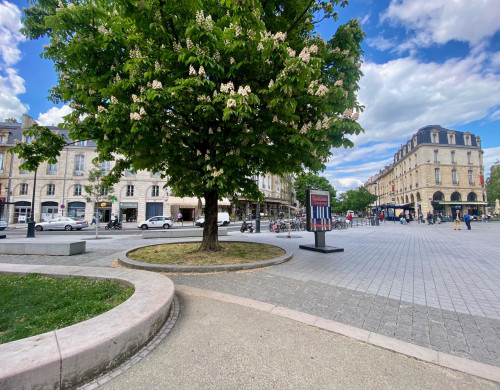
(464, 203)
(193, 202)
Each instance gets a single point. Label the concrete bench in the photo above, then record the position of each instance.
(41, 246)
(178, 233)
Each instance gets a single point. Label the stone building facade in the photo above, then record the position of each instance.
(437, 170)
(59, 188)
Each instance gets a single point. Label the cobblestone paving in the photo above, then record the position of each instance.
(427, 285)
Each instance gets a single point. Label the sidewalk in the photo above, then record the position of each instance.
(219, 345)
(428, 286)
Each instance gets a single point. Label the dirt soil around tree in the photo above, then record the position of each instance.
(187, 254)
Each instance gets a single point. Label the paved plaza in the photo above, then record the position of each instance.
(427, 285)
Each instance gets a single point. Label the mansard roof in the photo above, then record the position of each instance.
(424, 135)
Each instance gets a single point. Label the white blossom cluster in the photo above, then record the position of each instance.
(260, 47)
(338, 83)
(102, 30)
(313, 49)
(203, 21)
(177, 47)
(323, 124)
(227, 88)
(244, 91)
(217, 173)
(231, 103)
(135, 116)
(305, 55)
(322, 90)
(312, 85)
(189, 44)
(305, 128)
(279, 37)
(136, 53)
(158, 66)
(271, 84)
(101, 109)
(114, 100)
(204, 98)
(201, 72)
(192, 71)
(291, 52)
(156, 84)
(216, 56)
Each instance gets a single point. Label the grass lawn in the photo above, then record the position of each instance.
(182, 254)
(34, 304)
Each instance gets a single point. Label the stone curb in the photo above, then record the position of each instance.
(124, 260)
(71, 356)
(457, 363)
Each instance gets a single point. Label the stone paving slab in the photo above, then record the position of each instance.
(427, 285)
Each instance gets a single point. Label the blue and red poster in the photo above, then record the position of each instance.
(318, 210)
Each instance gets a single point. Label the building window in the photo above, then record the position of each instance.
(22, 170)
(52, 169)
(130, 190)
(157, 174)
(51, 189)
(105, 167)
(434, 138)
(454, 176)
(471, 182)
(451, 139)
(436, 176)
(80, 143)
(436, 156)
(469, 160)
(79, 164)
(77, 191)
(467, 140)
(27, 139)
(155, 191)
(2, 158)
(453, 157)
(23, 190)
(104, 191)
(130, 172)
(3, 139)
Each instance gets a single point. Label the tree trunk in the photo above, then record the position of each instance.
(210, 230)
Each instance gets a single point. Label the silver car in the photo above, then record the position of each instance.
(62, 223)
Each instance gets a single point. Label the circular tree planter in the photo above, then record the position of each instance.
(124, 260)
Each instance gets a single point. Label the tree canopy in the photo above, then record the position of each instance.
(207, 93)
(311, 180)
(356, 200)
(493, 185)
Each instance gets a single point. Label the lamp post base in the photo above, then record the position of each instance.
(31, 230)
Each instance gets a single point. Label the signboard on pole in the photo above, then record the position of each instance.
(318, 211)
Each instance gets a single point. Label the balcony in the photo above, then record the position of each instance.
(78, 173)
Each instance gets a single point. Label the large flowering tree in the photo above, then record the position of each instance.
(209, 93)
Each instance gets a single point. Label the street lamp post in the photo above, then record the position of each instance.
(31, 223)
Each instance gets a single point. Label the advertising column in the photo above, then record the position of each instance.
(318, 214)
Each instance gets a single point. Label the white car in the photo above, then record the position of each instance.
(222, 220)
(3, 224)
(156, 222)
(62, 223)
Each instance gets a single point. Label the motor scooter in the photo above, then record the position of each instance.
(113, 225)
(246, 226)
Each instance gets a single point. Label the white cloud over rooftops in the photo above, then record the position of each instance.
(441, 21)
(54, 116)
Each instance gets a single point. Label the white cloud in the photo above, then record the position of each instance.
(404, 95)
(10, 23)
(54, 116)
(381, 43)
(440, 21)
(11, 85)
(491, 156)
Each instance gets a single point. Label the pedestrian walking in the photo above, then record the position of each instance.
(93, 221)
(349, 219)
(180, 218)
(467, 220)
(456, 223)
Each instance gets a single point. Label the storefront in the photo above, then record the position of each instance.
(22, 212)
(76, 209)
(104, 211)
(49, 210)
(128, 211)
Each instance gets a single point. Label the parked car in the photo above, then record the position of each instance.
(222, 220)
(156, 222)
(62, 223)
(3, 224)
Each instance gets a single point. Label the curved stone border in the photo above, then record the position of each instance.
(67, 357)
(124, 260)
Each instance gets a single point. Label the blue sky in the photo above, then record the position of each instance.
(425, 63)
